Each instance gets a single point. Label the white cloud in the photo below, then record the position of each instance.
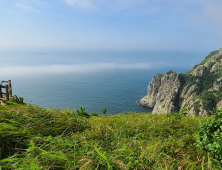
(69, 69)
(26, 7)
(82, 4)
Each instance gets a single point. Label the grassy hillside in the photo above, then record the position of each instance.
(39, 138)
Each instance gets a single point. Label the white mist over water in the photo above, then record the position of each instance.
(71, 69)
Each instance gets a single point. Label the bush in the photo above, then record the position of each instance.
(82, 112)
(197, 106)
(15, 100)
(219, 58)
(94, 114)
(187, 81)
(104, 111)
(209, 101)
(210, 136)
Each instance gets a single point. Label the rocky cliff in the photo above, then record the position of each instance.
(199, 89)
(163, 93)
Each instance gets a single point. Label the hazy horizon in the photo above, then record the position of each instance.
(61, 63)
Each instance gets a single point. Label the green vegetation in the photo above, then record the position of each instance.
(219, 58)
(40, 138)
(209, 100)
(210, 136)
(82, 112)
(188, 81)
(207, 79)
(203, 86)
(209, 56)
(104, 111)
(203, 83)
(195, 66)
(197, 106)
(17, 100)
(14, 100)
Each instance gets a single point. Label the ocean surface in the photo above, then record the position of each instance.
(94, 80)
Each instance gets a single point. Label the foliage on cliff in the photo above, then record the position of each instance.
(38, 138)
(206, 78)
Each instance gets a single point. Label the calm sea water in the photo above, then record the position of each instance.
(94, 80)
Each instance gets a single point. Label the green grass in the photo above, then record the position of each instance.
(37, 138)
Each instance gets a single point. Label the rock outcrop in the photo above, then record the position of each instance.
(199, 89)
(163, 93)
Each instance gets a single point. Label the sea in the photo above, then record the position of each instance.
(68, 79)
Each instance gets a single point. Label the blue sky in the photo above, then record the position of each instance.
(111, 24)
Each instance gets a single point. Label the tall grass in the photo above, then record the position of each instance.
(37, 138)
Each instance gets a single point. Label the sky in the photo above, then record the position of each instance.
(138, 25)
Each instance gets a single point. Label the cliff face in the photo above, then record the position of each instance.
(199, 89)
(163, 92)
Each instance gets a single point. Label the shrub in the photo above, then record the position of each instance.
(82, 112)
(209, 101)
(183, 111)
(197, 106)
(104, 111)
(94, 114)
(210, 136)
(15, 100)
(195, 66)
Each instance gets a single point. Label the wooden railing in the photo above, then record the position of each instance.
(7, 94)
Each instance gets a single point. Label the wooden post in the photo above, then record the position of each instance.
(7, 93)
(10, 89)
(1, 91)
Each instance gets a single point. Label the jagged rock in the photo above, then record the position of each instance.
(219, 105)
(214, 68)
(150, 99)
(202, 112)
(216, 86)
(188, 102)
(190, 91)
(163, 92)
(170, 92)
(199, 71)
